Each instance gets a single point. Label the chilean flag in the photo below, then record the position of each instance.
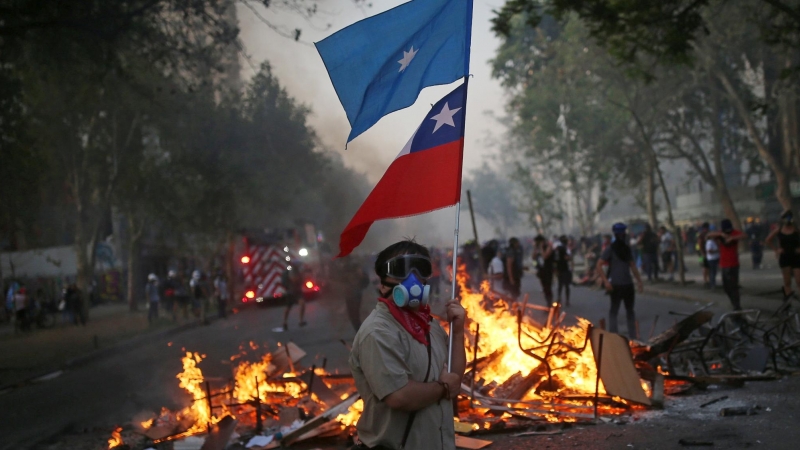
(425, 176)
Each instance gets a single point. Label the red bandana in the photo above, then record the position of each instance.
(417, 323)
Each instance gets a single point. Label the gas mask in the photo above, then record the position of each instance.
(411, 292)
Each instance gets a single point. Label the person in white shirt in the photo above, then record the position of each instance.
(496, 271)
(712, 256)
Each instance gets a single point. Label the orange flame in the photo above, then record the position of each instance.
(574, 372)
(116, 439)
(350, 418)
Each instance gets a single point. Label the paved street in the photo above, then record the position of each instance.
(111, 390)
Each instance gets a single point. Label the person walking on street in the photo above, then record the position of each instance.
(199, 295)
(668, 251)
(649, 242)
(292, 282)
(72, 303)
(787, 251)
(21, 309)
(728, 239)
(221, 294)
(702, 235)
(712, 260)
(619, 281)
(153, 297)
(514, 268)
(170, 295)
(543, 255)
(563, 262)
(399, 359)
(496, 271)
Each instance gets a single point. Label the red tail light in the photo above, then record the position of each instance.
(250, 294)
(309, 284)
(245, 259)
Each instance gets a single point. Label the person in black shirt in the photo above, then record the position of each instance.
(787, 251)
(563, 261)
(543, 255)
(617, 270)
(649, 242)
(513, 268)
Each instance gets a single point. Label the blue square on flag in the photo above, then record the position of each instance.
(380, 64)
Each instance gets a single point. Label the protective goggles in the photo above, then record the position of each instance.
(401, 266)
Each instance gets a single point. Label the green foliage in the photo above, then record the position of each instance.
(136, 106)
(636, 32)
(565, 134)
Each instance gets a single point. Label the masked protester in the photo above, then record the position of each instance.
(399, 358)
(728, 240)
(513, 268)
(618, 281)
(543, 257)
(787, 251)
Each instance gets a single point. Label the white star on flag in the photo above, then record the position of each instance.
(445, 117)
(407, 57)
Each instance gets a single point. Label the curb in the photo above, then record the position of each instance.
(676, 295)
(79, 361)
(691, 297)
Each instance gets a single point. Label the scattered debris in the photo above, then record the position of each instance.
(739, 411)
(527, 367)
(471, 443)
(693, 443)
(724, 397)
(617, 371)
(538, 433)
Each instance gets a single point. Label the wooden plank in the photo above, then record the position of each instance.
(320, 389)
(617, 370)
(320, 420)
(674, 335)
(471, 443)
(221, 434)
(522, 385)
(281, 360)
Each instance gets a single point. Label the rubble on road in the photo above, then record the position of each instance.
(529, 372)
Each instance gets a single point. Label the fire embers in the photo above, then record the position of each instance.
(273, 395)
(115, 441)
(528, 364)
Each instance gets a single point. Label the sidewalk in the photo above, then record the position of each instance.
(761, 288)
(31, 354)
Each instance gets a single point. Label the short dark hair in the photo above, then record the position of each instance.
(404, 247)
(539, 238)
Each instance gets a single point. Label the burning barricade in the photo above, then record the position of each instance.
(527, 366)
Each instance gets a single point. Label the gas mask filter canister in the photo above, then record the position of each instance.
(411, 292)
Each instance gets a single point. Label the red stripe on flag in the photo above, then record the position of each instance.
(416, 183)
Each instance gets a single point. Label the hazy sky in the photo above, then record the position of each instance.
(300, 69)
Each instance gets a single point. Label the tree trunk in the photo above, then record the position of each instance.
(652, 210)
(135, 231)
(780, 169)
(230, 266)
(653, 156)
(133, 274)
(720, 186)
(672, 226)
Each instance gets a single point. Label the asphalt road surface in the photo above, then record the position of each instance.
(111, 390)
